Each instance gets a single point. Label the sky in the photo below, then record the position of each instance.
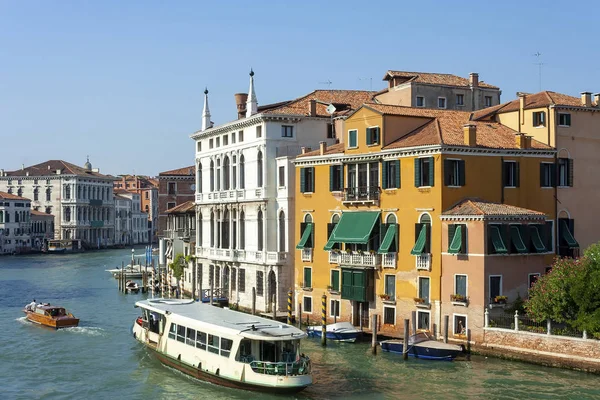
(123, 81)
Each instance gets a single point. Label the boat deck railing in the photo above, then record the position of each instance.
(300, 367)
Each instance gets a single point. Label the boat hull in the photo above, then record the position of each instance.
(337, 336)
(417, 351)
(56, 323)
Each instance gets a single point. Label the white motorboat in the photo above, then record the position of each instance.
(132, 287)
(131, 272)
(223, 346)
(340, 331)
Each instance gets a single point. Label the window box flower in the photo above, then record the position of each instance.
(500, 300)
(419, 300)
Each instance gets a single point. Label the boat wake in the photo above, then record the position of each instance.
(85, 330)
(22, 320)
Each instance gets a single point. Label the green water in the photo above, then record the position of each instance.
(101, 360)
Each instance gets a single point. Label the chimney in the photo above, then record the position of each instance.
(522, 104)
(302, 150)
(240, 102)
(48, 167)
(522, 141)
(2, 172)
(586, 99)
(597, 99)
(27, 173)
(312, 108)
(470, 134)
(473, 79)
(322, 147)
(58, 171)
(22, 167)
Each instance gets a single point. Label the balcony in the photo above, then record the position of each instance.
(180, 233)
(233, 255)
(307, 255)
(96, 224)
(389, 260)
(231, 196)
(361, 195)
(364, 259)
(95, 202)
(423, 262)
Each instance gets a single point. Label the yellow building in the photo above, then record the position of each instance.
(370, 233)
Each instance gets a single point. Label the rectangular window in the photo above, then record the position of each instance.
(210, 143)
(495, 287)
(564, 119)
(172, 188)
(460, 99)
(460, 285)
(390, 174)
(335, 280)
(488, 101)
(510, 172)
(454, 172)
(259, 283)
(213, 344)
(334, 308)
(307, 180)
(225, 140)
(565, 172)
(201, 340)
(170, 205)
(232, 137)
(330, 131)
(217, 142)
(233, 277)
(539, 118)
(287, 131)
(352, 139)
(547, 175)
(389, 315)
(424, 289)
(282, 176)
(460, 324)
(226, 345)
(172, 331)
(181, 333)
(420, 101)
(457, 238)
(441, 102)
(241, 135)
(307, 277)
(373, 135)
(423, 320)
(242, 288)
(532, 279)
(199, 147)
(390, 287)
(190, 337)
(307, 305)
(336, 178)
(424, 172)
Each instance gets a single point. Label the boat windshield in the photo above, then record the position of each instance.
(419, 337)
(274, 357)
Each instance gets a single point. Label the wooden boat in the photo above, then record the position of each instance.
(340, 331)
(422, 345)
(223, 346)
(132, 287)
(52, 316)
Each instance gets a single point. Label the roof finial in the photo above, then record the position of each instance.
(206, 112)
(205, 90)
(251, 103)
(251, 72)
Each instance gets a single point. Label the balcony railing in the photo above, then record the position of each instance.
(231, 195)
(180, 233)
(361, 194)
(354, 258)
(234, 255)
(423, 262)
(389, 260)
(307, 255)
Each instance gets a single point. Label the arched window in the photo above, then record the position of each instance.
(282, 244)
(212, 229)
(391, 219)
(1, 217)
(68, 192)
(335, 219)
(199, 229)
(242, 173)
(212, 176)
(242, 230)
(225, 230)
(260, 230)
(425, 219)
(79, 192)
(36, 194)
(17, 219)
(68, 214)
(259, 170)
(226, 182)
(218, 175)
(233, 173)
(308, 219)
(48, 194)
(199, 188)
(8, 218)
(20, 192)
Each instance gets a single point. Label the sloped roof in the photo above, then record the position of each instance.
(431, 78)
(191, 170)
(10, 196)
(343, 100)
(333, 149)
(478, 207)
(41, 214)
(536, 100)
(51, 166)
(182, 208)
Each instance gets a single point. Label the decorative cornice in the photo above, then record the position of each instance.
(492, 217)
(246, 122)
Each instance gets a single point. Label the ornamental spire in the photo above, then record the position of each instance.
(251, 104)
(206, 112)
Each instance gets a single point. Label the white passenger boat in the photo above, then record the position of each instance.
(131, 272)
(223, 346)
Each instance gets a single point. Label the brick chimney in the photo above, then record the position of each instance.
(473, 79)
(522, 141)
(470, 134)
(302, 150)
(312, 108)
(597, 99)
(322, 147)
(586, 99)
(240, 102)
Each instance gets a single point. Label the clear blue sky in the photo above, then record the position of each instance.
(122, 81)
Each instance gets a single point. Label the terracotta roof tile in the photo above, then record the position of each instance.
(51, 166)
(333, 149)
(341, 99)
(536, 100)
(10, 196)
(434, 79)
(182, 208)
(487, 208)
(180, 171)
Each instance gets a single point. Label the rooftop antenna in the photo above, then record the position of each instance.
(327, 82)
(539, 63)
(370, 82)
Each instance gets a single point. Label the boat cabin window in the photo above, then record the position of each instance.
(201, 340)
(213, 344)
(181, 333)
(190, 337)
(226, 345)
(245, 352)
(172, 331)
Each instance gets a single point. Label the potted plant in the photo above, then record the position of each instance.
(500, 299)
(419, 300)
(329, 287)
(384, 296)
(371, 252)
(458, 298)
(348, 250)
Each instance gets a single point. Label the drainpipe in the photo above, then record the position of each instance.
(502, 180)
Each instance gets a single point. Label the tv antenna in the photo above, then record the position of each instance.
(539, 63)
(370, 82)
(327, 82)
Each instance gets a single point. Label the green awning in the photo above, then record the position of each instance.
(388, 239)
(456, 244)
(497, 241)
(421, 240)
(355, 227)
(567, 235)
(305, 236)
(536, 239)
(331, 241)
(517, 240)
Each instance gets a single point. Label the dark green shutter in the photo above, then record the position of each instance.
(302, 181)
(377, 138)
(463, 232)
(368, 136)
(397, 162)
(335, 279)
(570, 173)
(447, 173)
(312, 178)
(307, 278)
(384, 174)
(503, 165)
(428, 238)
(553, 175)
(461, 173)
(542, 170)
(417, 172)
(451, 232)
(431, 172)
(517, 174)
(341, 177)
(331, 180)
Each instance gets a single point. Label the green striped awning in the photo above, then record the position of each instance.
(497, 241)
(331, 241)
(567, 235)
(536, 239)
(456, 244)
(355, 227)
(517, 239)
(305, 236)
(420, 243)
(388, 239)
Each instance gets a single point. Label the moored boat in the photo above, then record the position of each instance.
(422, 345)
(132, 287)
(52, 316)
(223, 346)
(131, 272)
(340, 331)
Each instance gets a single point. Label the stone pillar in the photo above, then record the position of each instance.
(516, 320)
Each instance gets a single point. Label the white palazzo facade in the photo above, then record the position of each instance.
(244, 200)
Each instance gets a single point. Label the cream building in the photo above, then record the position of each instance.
(15, 224)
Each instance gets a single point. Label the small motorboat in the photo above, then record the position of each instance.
(131, 272)
(52, 316)
(132, 287)
(422, 345)
(340, 331)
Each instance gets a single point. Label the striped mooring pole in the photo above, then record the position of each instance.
(324, 320)
(289, 316)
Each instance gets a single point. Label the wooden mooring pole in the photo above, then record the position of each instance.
(210, 300)
(413, 317)
(324, 320)
(405, 342)
(446, 323)
(299, 316)
(374, 331)
(289, 307)
(253, 301)
(274, 307)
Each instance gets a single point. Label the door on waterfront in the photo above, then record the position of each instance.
(360, 313)
(272, 289)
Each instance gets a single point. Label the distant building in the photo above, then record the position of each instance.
(180, 237)
(175, 187)
(438, 91)
(81, 198)
(133, 224)
(42, 229)
(123, 206)
(15, 224)
(147, 188)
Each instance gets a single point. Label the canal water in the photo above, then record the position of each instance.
(101, 360)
